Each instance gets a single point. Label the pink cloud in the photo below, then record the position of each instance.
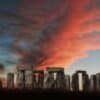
(72, 36)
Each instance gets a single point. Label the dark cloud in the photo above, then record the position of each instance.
(43, 31)
(93, 4)
(10, 62)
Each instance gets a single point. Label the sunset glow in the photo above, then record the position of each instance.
(59, 35)
(46, 33)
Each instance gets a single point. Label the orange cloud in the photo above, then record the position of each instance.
(62, 33)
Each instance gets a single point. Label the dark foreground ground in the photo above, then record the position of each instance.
(47, 93)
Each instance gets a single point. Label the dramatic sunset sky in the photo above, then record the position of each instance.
(46, 33)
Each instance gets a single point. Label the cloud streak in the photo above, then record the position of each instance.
(64, 31)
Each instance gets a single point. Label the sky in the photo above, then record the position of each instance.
(50, 33)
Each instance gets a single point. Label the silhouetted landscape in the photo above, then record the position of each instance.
(46, 93)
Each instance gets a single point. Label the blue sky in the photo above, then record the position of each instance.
(91, 64)
(6, 37)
